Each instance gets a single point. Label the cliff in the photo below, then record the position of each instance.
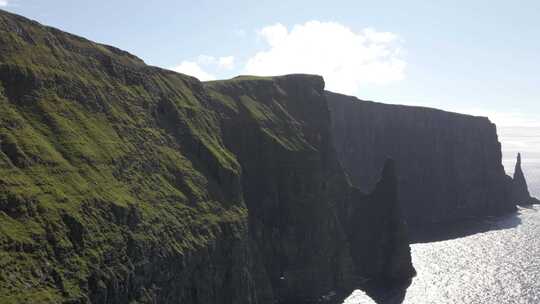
(448, 164)
(387, 216)
(520, 191)
(298, 197)
(126, 183)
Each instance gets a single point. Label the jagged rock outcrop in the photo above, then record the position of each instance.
(383, 203)
(520, 191)
(125, 183)
(448, 164)
(298, 196)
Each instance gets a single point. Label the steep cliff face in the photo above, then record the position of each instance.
(115, 185)
(124, 183)
(520, 191)
(279, 130)
(395, 266)
(298, 197)
(449, 165)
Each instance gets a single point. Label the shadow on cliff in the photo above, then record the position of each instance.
(394, 295)
(449, 231)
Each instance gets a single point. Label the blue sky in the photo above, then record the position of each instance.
(478, 57)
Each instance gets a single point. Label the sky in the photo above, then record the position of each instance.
(478, 57)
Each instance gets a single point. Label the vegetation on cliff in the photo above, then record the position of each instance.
(125, 183)
(106, 164)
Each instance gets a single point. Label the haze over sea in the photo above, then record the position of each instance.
(499, 259)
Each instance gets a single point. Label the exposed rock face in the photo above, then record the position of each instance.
(520, 191)
(448, 164)
(298, 197)
(124, 183)
(396, 266)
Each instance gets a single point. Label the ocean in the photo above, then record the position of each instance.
(499, 259)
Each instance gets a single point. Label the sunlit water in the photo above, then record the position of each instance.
(498, 266)
(501, 265)
(499, 262)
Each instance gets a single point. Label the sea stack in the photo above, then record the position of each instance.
(393, 266)
(520, 191)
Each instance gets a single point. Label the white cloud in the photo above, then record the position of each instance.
(206, 60)
(4, 2)
(198, 67)
(226, 62)
(275, 35)
(346, 59)
(193, 69)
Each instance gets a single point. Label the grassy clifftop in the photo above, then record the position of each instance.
(99, 150)
(125, 183)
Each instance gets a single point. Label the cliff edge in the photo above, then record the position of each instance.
(449, 165)
(126, 183)
(314, 231)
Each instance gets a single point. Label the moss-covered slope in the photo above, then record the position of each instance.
(106, 165)
(125, 183)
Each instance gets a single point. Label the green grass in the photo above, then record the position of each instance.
(99, 152)
(266, 113)
(83, 146)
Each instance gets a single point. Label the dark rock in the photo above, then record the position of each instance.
(390, 253)
(449, 165)
(520, 191)
(299, 198)
(133, 184)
